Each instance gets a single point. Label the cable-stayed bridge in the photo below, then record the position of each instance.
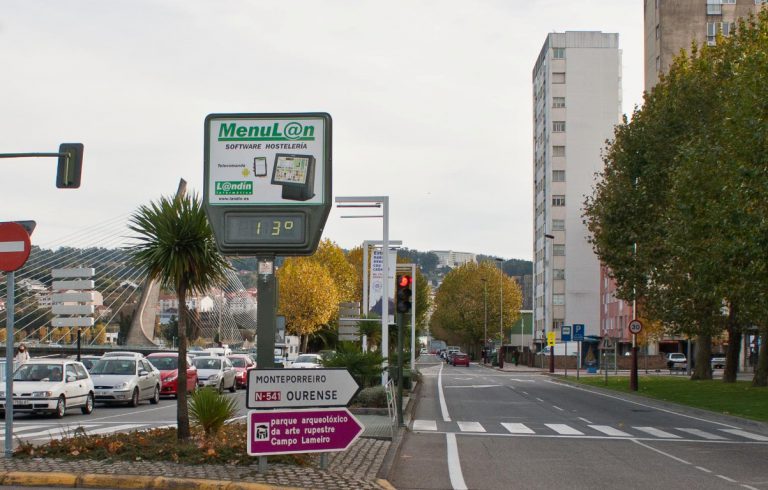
(123, 294)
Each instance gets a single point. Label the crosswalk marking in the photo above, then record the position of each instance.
(657, 432)
(424, 425)
(610, 431)
(702, 434)
(748, 435)
(116, 428)
(52, 432)
(19, 428)
(565, 430)
(471, 427)
(516, 428)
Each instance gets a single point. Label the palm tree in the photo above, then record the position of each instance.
(176, 247)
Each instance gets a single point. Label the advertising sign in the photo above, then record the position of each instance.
(301, 431)
(376, 284)
(267, 181)
(288, 388)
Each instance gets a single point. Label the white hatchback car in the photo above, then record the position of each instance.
(51, 385)
(308, 361)
(216, 372)
(125, 380)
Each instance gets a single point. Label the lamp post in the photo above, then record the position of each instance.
(501, 300)
(485, 319)
(548, 236)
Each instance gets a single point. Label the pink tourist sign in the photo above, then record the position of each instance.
(301, 431)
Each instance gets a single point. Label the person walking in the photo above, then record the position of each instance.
(22, 355)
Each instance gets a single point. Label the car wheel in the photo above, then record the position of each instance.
(134, 398)
(220, 389)
(233, 388)
(156, 397)
(88, 407)
(61, 407)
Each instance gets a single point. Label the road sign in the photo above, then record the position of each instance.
(606, 344)
(315, 430)
(578, 332)
(14, 246)
(289, 388)
(551, 339)
(635, 327)
(267, 187)
(565, 333)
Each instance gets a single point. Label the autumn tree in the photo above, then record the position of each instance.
(308, 296)
(342, 272)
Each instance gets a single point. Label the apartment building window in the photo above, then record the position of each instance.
(558, 200)
(727, 2)
(558, 250)
(658, 33)
(727, 28)
(558, 77)
(558, 126)
(711, 33)
(558, 151)
(558, 225)
(557, 323)
(760, 2)
(558, 53)
(558, 102)
(558, 299)
(714, 7)
(658, 63)
(558, 176)
(558, 273)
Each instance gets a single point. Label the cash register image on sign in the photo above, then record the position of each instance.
(296, 174)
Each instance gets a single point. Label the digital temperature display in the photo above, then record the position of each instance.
(284, 228)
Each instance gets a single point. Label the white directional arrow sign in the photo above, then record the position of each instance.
(299, 388)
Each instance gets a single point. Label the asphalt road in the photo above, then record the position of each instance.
(480, 428)
(104, 419)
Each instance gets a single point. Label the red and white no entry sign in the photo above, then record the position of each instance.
(14, 246)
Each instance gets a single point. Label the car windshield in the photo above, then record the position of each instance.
(114, 366)
(202, 363)
(38, 372)
(306, 359)
(165, 363)
(237, 361)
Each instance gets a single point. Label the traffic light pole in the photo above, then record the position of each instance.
(400, 322)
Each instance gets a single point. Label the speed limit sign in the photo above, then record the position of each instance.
(635, 327)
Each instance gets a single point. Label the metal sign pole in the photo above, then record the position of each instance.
(266, 298)
(10, 285)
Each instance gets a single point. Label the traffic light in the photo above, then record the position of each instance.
(70, 166)
(404, 293)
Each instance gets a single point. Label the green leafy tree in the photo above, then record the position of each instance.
(176, 247)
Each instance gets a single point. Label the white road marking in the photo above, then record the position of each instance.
(115, 428)
(657, 432)
(539, 399)
(561, 409)
(473, 386)
(525, 392)
(454, 463)
(748, 435)
(749, 487)
(585, 420)
(522, 380)
(610, 431)
(660, 451)
(516, 428)
(52, 433)
(19, 428)
(726, 478)
(441, 395)
(424, 425)
(702, 434)
(565, 430)
(703, 469)
(471, 427)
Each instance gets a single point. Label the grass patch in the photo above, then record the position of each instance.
(739, 398)
(228, 447)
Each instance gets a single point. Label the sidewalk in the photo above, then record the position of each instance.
(353, 469)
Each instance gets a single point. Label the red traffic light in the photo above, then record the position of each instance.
(404, 281)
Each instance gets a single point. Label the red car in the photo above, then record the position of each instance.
(460, 359)
(242, 364)
(168, 365)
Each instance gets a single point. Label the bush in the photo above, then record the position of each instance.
(210, 409)
(374, 397)
(365, 367)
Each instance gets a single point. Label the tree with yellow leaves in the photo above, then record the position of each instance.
(343, 274)
(308, 296)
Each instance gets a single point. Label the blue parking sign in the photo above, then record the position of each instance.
(578, 332)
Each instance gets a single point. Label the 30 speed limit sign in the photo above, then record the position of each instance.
(635, 327)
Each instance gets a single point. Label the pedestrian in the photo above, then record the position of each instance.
(22, 355)
(517, 358)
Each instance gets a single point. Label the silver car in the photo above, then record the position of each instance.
(216, 372)
(125, 380)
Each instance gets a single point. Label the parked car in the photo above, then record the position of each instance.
(310, 361)
(460, 359)
(718, 362)
(423, 350)
(242, 364)
(676, 360)
(215, 372)
(87, 361)
(125, 380)
(51, 385)
(118, 353)
(449, 354)
(168, 365)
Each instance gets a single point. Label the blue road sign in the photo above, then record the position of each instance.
(578, 332)
(565, 333)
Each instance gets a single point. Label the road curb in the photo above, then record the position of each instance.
(394, 449)
(72, 480)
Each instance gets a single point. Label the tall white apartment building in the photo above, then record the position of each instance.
(576, 104)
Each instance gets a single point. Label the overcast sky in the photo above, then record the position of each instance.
(431, 103)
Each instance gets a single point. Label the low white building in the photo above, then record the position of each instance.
(453, 259)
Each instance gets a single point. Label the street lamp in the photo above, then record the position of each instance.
(501, 300)
(485, 320)
(548, 236)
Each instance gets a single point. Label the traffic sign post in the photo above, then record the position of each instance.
(635, 327)
(15, 247)
(300, 388)
(578, 336)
